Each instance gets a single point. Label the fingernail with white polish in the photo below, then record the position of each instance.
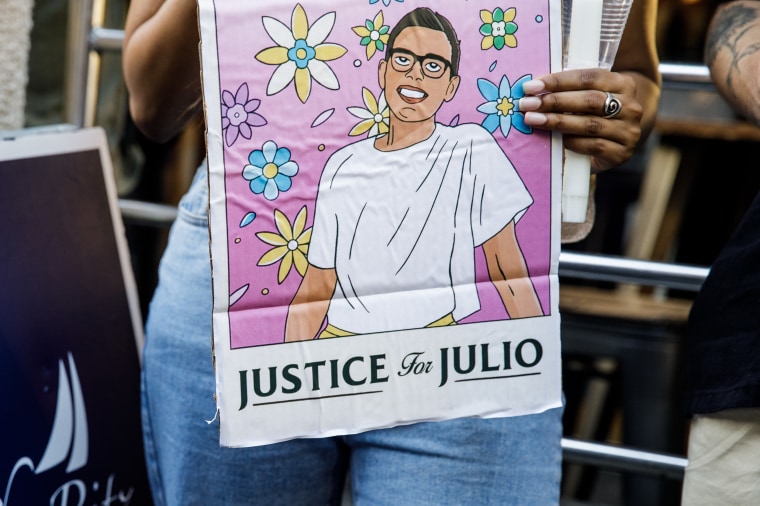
(535, 118)
(529, 103)
(534, 86)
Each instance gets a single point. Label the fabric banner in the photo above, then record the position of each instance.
(70, 327)
(384, 225)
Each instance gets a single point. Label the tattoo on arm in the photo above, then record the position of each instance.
(726, 33)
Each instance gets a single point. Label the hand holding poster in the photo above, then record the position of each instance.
(384, 233)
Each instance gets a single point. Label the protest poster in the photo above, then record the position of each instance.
(70, 326)
(384, 225)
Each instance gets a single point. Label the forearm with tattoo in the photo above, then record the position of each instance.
(733, 40)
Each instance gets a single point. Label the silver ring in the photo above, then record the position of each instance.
(612, 106)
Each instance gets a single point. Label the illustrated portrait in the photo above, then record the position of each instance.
(378, 173)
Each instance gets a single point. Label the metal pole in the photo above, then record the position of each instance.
(77, 62)
(628, 270)
(106, 39)
(679, 72)
(623, 459)
(147, 213)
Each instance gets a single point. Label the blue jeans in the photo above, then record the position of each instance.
(500, 461)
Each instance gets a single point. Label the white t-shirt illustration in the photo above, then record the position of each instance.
(400, 227)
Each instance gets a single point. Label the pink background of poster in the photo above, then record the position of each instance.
(258, 316)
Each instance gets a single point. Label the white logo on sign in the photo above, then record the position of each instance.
(69, 434)
(69, 439)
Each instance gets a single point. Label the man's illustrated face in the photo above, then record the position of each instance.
(416, 76)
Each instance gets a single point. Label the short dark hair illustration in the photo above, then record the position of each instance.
(426, 18)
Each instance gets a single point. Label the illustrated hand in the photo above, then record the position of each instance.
(574, 101)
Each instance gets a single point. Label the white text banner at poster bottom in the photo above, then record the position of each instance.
(381, 380)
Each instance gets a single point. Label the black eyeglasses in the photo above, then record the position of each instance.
(432, 65)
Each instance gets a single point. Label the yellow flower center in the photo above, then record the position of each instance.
(270, 170)
(505, 106)
(300, 53)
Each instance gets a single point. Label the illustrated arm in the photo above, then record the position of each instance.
(308, 309)
(509, 274)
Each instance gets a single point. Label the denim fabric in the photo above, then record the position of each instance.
(500, 461)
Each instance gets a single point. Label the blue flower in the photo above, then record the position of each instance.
(385, 2)
(301, 53)
(502, 106)
(270, 170)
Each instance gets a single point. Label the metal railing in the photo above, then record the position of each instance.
(620, 458)
(619, 269)
(147, 213)
(86, 37)
(685, 73)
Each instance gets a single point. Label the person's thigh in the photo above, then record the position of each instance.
(185, 462)
(469, 461)
(723, 459)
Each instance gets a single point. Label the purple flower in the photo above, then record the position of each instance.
(239, 114)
